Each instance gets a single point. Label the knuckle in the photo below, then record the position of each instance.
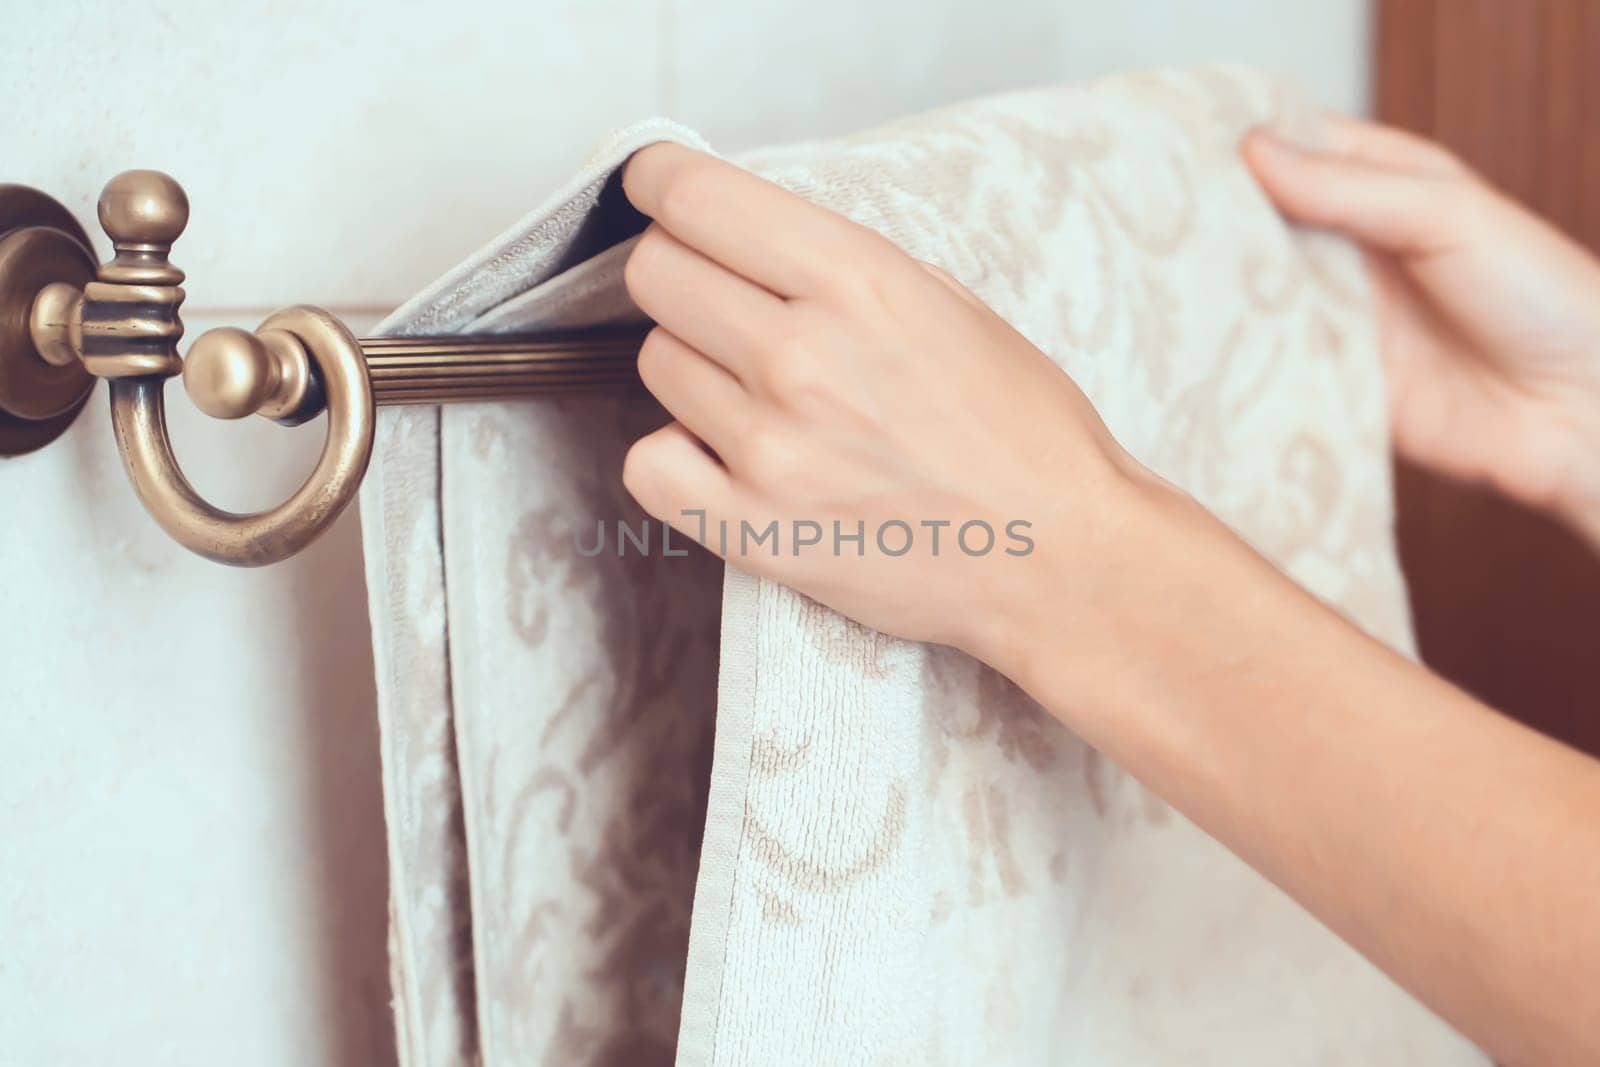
(890, 282)
(796, 377)
(858, 258)
(797, 370)
(769, 456)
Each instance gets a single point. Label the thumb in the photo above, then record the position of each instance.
(1393, 210)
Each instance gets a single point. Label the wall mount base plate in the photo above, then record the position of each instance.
(40, 243)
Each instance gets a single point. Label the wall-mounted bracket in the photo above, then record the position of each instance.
(66, 321)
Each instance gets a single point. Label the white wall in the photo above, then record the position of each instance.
(191, 858)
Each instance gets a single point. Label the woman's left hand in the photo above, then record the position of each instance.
(818, 376)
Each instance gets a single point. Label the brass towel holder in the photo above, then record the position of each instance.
(66, 321)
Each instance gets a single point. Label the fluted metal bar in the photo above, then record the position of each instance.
(438, 370)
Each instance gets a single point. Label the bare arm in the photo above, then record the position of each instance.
(1455, 848)
(815, 372)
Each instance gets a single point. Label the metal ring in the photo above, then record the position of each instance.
(139, 417)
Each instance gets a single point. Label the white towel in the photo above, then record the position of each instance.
(903, 860)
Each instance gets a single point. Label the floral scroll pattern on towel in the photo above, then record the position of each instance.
(935, 872)
(903, 861)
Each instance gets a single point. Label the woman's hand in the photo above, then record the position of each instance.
(822, 379)
(1490, 318)
(818, 375)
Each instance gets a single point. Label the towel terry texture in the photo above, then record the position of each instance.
(899, 859)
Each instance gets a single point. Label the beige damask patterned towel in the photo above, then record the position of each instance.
(899, 859)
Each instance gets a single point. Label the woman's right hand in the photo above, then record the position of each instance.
(1489, 317)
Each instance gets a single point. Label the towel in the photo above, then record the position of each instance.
(642, 807)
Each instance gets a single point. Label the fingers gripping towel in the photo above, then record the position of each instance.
(640, 808)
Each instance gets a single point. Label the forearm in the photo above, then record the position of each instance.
(1455, 848)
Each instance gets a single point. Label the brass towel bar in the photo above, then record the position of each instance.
(66, 321)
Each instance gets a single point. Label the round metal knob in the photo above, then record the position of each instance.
(143, 207)
(229, 373)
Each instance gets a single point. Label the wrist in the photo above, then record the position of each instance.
(1171, 613)
(1106, 582)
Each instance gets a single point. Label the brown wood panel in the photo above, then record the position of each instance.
(1507, 602)
(1560, 178)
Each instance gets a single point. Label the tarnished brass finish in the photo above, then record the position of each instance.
(269, 536)
(143, 212)
(63, 323)
(230, 373)
(130, 321)
(34, 388)
(439, 370)
(295, 394)
(41, 246)
(131, 331)
(56, 324)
